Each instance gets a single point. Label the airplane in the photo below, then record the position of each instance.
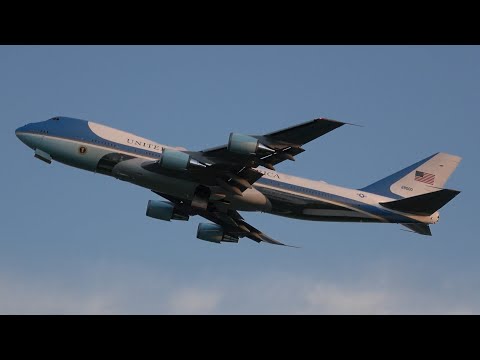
(217, 183)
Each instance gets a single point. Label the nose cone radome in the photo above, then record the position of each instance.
(30, 134)
(21, 134)
(19, 130)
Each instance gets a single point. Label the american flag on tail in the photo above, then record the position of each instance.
(424, 177)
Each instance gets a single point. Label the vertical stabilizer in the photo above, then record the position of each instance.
(420, 178)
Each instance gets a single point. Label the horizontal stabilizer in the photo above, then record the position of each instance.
(422, 229)
(425, 204)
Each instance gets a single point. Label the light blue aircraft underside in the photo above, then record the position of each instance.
(219, 182)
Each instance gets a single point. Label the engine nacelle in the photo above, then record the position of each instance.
(213, 233)
(246, 145)
(164, 210)
(177, 160)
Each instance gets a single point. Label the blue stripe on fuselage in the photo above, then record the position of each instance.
(385, 214)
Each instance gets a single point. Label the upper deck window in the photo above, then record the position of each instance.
(55, 118)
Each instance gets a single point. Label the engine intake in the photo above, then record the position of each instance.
(213, 233)
(177, 160)
(246, 145)
(164, 210)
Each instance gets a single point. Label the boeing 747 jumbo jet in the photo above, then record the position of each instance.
(219, 182)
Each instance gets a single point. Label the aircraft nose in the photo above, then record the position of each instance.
(19, 130)
(28, 134)
(20, 133)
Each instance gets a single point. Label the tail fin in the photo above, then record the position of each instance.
(420, 178)
(425, 204)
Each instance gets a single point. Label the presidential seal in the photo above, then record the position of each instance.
(82, 150)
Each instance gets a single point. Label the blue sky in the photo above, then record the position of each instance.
(77, 242)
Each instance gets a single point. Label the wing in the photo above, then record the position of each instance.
(232, 166)
(286, 143)
(232, 223)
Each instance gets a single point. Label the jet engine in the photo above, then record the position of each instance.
(214, 233)
(164, 210)
(247, 145)
(177, 160)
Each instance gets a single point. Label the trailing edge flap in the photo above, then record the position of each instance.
(425, 204)
(422, 229)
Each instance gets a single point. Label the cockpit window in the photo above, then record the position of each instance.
(55, 118)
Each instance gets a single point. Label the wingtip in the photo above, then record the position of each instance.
(292, 246)
(337, 121)
(265, 238)
(280, 244)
